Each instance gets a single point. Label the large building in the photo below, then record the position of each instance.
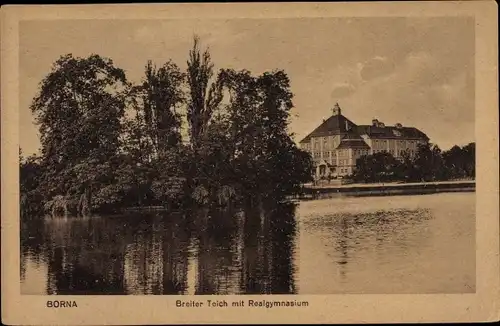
(337, 143)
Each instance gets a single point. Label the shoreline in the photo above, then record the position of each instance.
(358, 190)
(387, 189)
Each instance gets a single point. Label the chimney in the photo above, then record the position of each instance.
(375, 122)
(381, 124)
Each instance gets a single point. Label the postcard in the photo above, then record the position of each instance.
(248, 163)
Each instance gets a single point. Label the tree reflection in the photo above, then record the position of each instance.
(269, 235)
(175, 245)
(235, 251)
(83, 258)
(246, 252)
(216, 252)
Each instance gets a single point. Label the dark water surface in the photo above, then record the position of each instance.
(398, 244)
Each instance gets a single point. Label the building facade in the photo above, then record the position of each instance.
(337, 143)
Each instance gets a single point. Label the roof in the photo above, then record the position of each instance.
(339, 125)
(353, 144)
(335, 125)
(352, 135)
(353, 140)
(391, 132)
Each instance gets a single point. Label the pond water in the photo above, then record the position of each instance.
(396, 244)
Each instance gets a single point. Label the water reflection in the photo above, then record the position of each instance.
(409, 244)
(414, 244)
(196, 252)
(352, 233)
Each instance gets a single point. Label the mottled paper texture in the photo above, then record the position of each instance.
(339, 165)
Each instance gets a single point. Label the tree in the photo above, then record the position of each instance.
(153, 155)
(160, 94)
(429, 164)
(378, 167)
(79, 109)
(460, 161)
(203, 101)
(203, 98)
(470, 159)
(95, 157)
(266, 161)
(30, 173)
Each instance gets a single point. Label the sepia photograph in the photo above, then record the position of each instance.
(154, 162)
(301, 155)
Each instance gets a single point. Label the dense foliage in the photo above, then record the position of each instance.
(107, 143)
(429, 164)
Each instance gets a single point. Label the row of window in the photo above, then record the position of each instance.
(324, 139)
(342, 152)
(325, 154)
(360, 152)
(317, 141)
(325, 145)
(393, 152)
(399, 143)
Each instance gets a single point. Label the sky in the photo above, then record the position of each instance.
(415, 71)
